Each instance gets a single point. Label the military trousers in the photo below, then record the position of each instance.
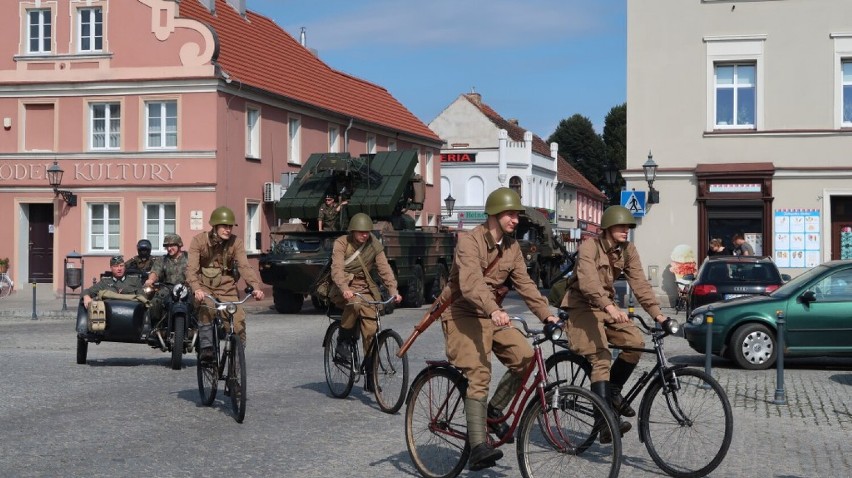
(589, 335)
(207, 311)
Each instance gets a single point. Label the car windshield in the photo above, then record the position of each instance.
(797, 282)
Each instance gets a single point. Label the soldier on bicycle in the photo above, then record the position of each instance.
(475, 325)
(170, 269)
(217, 259)
(594, 319)
(142, 262)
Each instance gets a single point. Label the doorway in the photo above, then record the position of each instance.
(841, 227)
(40, 241)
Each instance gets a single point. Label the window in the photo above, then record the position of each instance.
(39, 30)
(252, 228)
(474, 191)
(430, 174)
(91, 28)
(735, 95)
(516, 184)
(252, 132)
(295, 129)
(333, 138)
(104, 227)
(159, 219)
(847, 93)
(391, 145)
(105, 125)
(162, 124)
(371, 144)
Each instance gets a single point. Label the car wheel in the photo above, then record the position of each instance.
(753, 347)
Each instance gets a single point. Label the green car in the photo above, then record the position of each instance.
(817, 306)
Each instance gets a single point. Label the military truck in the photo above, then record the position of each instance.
(543, 254)
(382, 185)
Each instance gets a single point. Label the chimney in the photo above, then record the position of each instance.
(476, 98)
(513, 121)
(209, 5)
(238, 5)
(303, 38)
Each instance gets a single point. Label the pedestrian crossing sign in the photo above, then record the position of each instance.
(634, 201)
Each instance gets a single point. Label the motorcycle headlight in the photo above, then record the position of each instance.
(231, 308)
(149, 291)
(180, 292)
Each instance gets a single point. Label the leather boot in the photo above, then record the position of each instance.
(603, 390)
(618, 375)
(343, 349)
(506, 389)
(482, 455)
(205, 343)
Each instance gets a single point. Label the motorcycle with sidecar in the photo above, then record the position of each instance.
(119, 318)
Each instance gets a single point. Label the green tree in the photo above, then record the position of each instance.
(582, 147)
(615, 140)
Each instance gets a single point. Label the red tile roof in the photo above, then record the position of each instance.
(257, 52)
(565, 173)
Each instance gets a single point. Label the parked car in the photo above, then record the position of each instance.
(728, 277)
(817, 307)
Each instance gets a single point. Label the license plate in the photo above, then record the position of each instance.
(734, 296)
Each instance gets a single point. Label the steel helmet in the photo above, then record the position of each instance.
(222, 215)
(502, 199)
(143, 245)
(172, 239)
(617, 215)
(360, 222)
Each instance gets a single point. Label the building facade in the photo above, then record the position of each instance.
(751, 133)
(157, 112)
(483, 151)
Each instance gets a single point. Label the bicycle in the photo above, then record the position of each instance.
(229, 362)
(6, 284)
(682, 295)
(383, 371)
(557, 424)
(684, 415)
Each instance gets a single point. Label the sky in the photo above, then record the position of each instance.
(539, 61)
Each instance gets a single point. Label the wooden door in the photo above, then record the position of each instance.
(41, 243)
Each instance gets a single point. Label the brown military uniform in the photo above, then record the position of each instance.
(591, 289)
(209, 269)
(356, 281)
(470, 335)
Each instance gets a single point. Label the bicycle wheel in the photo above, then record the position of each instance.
(561, 441)
(237, 378)
(208, 375)
(568, 368)
(688, 430)
(5, 285)
(435, 425)
(390, 373)
(339, 375)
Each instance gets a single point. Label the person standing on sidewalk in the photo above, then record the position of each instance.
(217, 260)
(594, 319)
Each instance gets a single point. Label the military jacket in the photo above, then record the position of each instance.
(209, 264)
(137, 263)
(171, 270)
(126, 285)
(329, 216)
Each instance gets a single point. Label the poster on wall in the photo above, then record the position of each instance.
(797, 237)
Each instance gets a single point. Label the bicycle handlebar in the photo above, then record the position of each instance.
(374, 302)
(548, 328)
(669, 327)
(222, 305)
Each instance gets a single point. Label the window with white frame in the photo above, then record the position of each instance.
(252, 132)
(104, 227)
(39, 30)
(252, 227)
(90, 29)
(371, 144)
(847, 92)
(735, 95)
(391, 145)
(430, 174)
(105, 125)
(161, 124)
(295, 131)
(159, 220)
(333, 138)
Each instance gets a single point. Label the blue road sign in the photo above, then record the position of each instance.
(634, 201)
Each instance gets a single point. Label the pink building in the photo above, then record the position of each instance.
(159, 111)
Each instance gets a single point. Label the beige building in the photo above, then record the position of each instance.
(747, 109)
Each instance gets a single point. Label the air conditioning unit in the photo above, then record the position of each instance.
(272, 192)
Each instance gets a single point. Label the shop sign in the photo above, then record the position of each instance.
(735, 188)
(458, 157)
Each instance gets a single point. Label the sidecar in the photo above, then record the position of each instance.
(123, 321)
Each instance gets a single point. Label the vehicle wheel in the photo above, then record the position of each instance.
(439, 282)
(535, 273)
(561, 441)
(338, 375)
(208, 378)
(237, 378)
(318, 305)
(567, 368)
(413, 296)
(287, 302)
(82, 350)
(435, 424)
(753, 347)
(177, 342)
(390, 373)
(5, 285)
(695, 442)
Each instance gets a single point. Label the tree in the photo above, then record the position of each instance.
(615, 140)
(582, 147)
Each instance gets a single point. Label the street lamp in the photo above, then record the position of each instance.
(450, 203)
(650, 169)
(54, 177)
(611, 178)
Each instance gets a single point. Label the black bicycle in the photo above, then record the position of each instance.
(229, 363)
(383, 372)
(685, 418)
